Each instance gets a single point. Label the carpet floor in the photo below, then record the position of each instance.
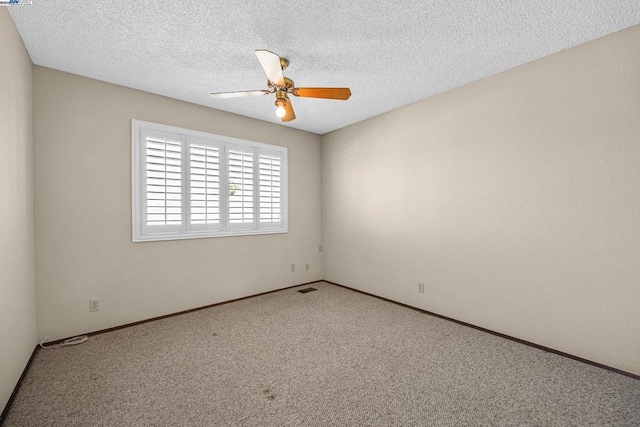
(332, 357)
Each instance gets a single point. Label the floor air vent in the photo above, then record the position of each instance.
(304, 291)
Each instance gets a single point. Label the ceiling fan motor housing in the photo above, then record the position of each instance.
(288, 85)
(281, 97)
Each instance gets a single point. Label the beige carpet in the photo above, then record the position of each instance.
(332, 357)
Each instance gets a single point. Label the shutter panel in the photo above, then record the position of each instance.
(205, 165)
(270, 196)
(162, 181)
(241, 187)
(189, 184)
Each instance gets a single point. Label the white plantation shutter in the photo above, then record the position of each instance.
(270, 188)
(188, 184)
(205, 170)
(241, 186)
(162, 182)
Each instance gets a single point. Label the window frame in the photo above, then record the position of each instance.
(141, 231)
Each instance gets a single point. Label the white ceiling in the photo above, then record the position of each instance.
(390, 53)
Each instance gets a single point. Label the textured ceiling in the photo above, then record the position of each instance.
(390, 53)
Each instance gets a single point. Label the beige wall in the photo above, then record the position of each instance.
(516, 200)
(17, 285)
(82, 138)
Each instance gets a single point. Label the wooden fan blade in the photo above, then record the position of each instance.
(226, 95)
(290, 114)
(271, 64)
(342, 93)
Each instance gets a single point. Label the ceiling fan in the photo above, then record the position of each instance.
(283, 87)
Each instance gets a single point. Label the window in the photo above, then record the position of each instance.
(189, 184)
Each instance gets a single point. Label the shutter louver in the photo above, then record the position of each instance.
(204, 170)
(163, 176)
(241, 186)
(270, 189)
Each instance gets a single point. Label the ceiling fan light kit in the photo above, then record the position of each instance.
(280, 111)
(283, 86)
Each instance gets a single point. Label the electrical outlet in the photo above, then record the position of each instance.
(306, 266)
(421, 288)
(320, 247)
(293, 268)
(94, 305)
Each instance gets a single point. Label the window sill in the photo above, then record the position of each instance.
(205, 235)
